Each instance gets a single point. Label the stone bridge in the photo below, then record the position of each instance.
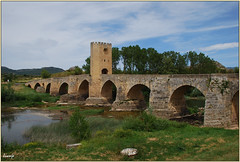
(166, 92)
(166, 98)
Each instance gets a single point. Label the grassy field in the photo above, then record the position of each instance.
(21, 96)
(155, 140)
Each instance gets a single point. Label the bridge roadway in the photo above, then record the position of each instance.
(166, 98)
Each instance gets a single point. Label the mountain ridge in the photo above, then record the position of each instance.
(34, 71)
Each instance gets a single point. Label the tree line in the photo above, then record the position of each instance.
(136, 60)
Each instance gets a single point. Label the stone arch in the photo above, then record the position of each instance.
(178, 101)
(140, 94)
(63, 89)
(104, 71)
(29, 85)
(48, 88)
(36, 85)
(83, 90)
(235, 108)
(109, 91)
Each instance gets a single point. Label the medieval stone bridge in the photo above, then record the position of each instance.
(124, 92)
(166, 99)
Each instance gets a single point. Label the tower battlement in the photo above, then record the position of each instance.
(100, 43)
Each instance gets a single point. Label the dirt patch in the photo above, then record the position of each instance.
(220, 140)
(152, 139)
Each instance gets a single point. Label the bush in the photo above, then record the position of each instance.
(97, 123)
(121, 133)
(133, 123)
(45, 74)
(7, 93)
(102, 133)
(79, 126)
(145, 122)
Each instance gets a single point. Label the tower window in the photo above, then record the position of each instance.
(105, 50)
(104, 71)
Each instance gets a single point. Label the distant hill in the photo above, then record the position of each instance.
(51, 70)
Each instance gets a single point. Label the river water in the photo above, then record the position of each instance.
(14, 124)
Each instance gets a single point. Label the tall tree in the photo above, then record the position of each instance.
(86, 67)
(115, 59)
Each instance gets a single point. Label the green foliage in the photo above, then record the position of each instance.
(200, 64)
(6, 147)
(91, 112)
(7, 93)
(54, 133)
(194, 92)
(236, 70)
(122, 133)
(102, 133)
(99, 123)
(45, 74)
(86, 67)
(32, 145)
(8, 77)
(24, 96)
(138, 60)
(179, 142)
(79, 126)
(77, 70)
(115, 59)
(145, 122)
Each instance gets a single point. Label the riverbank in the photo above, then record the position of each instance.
(174, 142)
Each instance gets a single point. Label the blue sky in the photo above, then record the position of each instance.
(40, 34)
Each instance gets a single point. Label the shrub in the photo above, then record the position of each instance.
(121, 133)
(79, 126)
(102, 133)
(45, 74)
(7, 93)
(145, 122)
(133, 123)
(31, 145)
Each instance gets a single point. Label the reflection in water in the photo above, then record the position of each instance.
(8, 119)
(14, 125)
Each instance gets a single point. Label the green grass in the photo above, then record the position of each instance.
(60, 107)
(26, 97)
(174, 141)
(91, 112)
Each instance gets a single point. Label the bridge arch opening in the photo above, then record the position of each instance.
(109, 91)
(48, 88)
(235, 108)
(63, 89)
(36, 85)
(83, 90)
(188, 101)
(140, 94)
(29, 86)
(104, 71)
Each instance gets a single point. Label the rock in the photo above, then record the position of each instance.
(70, 146)
(71, 98)
(40, 89)
(129, 151)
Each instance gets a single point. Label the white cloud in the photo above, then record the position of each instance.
(220, 46)
(61, 32)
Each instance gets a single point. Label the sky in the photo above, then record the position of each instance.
(58, 34)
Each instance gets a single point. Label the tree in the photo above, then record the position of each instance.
(115, 59)
(79, 126)
(45, 74)
(77, 70)
(236, 70)
(86, 67)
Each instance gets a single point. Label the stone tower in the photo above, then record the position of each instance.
(101, 58)
(100, 64)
